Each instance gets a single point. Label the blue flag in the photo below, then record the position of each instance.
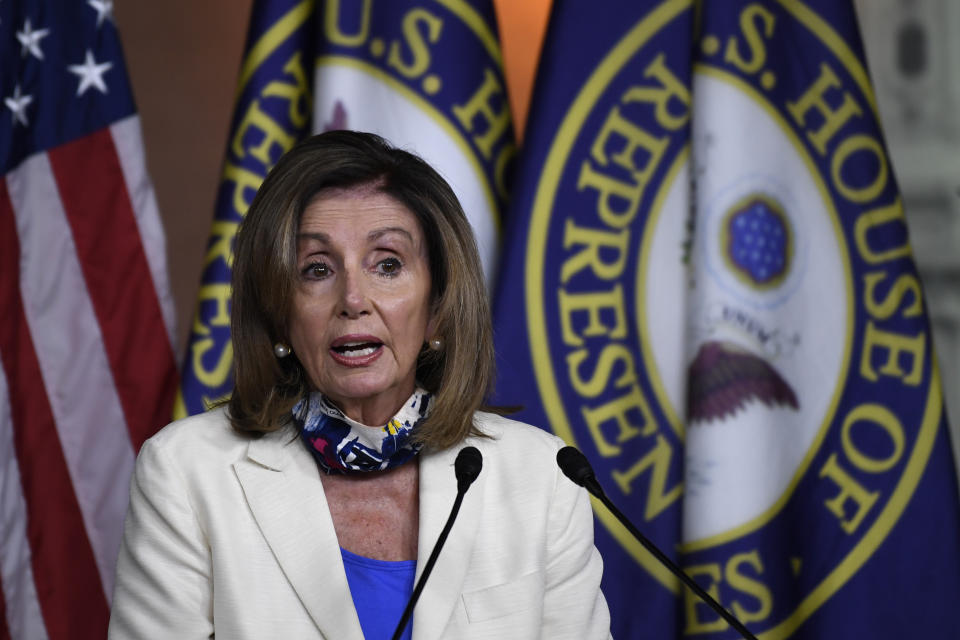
(428, 78)
(707, 286)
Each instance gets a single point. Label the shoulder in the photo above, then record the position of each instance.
(202, 444)
(195, 461)
(514, 441)
(206, 431)
(514, 432)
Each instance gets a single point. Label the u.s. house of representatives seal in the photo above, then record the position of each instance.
(428, 77)
(723, 310)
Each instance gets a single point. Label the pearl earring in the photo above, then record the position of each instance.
(281, 350)
(435, 344)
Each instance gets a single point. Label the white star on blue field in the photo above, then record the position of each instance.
(758, 242)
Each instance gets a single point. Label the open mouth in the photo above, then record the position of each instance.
(357, 349)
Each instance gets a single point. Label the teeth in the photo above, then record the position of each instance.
(357, 349)
(361, 352)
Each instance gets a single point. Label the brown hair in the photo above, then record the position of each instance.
(264, 272)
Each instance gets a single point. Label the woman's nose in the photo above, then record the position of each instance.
(354, 300)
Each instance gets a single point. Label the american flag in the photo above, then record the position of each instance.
(88, 371)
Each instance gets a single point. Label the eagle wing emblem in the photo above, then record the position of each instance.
(723, 378)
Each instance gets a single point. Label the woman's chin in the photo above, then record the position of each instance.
(368, 394)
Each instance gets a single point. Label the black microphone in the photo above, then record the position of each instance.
(466, 467)
(576, 467)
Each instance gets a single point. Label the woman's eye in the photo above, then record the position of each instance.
(389, 267)
(316, 270)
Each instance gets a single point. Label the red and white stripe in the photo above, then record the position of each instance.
(85, 347)
(22, 618)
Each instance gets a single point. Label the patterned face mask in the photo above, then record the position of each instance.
(343, 445)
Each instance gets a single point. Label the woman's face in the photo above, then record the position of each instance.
(361, 304)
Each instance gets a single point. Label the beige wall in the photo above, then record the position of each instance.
(183, 57)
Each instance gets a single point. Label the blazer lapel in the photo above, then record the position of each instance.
(438, 490)
(283, 489)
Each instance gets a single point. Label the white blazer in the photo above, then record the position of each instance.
(232, 536)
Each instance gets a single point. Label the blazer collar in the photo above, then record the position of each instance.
(282, 485)
(438, 490)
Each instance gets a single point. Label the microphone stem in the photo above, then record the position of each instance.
(594, 487)
(430, 562)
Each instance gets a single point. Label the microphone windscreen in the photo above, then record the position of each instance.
(574, 465)
(467, 466)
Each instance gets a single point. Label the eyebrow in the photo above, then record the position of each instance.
(373, 235)
(321, 237)
(379, 233)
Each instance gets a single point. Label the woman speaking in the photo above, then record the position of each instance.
(304, 506)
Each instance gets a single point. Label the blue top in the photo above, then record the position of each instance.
(380, 590)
